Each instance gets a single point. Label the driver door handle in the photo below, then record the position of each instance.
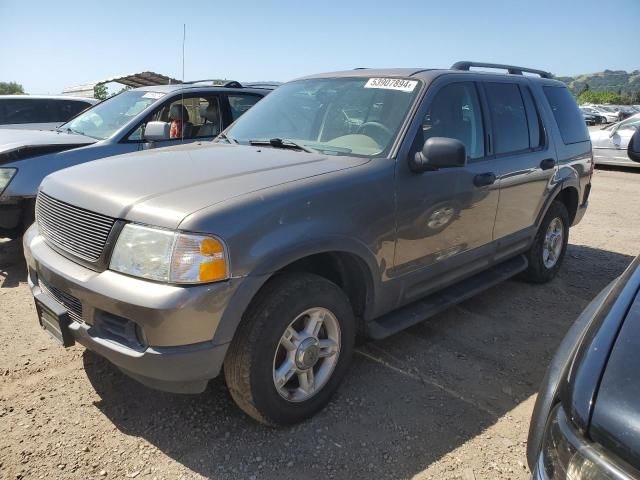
(484, 179)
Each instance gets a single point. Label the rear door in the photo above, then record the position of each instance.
(523, 160)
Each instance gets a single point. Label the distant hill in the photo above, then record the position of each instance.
(617, 81)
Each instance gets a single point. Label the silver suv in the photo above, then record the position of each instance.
(138, 119)
(362, 201)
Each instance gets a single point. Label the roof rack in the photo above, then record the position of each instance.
(263, 84)
(512, 69)
(228, 83)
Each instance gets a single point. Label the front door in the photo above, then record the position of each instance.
(445, 217)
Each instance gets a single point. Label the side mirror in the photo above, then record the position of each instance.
(439, 152)
(634, 146)
(157, 131)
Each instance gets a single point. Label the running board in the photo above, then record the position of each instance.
(427, 307)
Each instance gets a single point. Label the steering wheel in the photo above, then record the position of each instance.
(383, 132)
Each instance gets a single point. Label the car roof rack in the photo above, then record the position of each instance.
(512, 69)
(228, 83)
(271, 85)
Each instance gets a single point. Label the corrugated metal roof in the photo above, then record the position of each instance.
(134, 80)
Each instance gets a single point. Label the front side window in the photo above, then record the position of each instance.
(630, 124)
(188, 118)
(107, 117)
(508, 117)
(338, 116)
(455, 113)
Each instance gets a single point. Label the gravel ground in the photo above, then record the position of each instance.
(448, 399)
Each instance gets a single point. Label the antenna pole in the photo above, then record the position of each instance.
(184, 39)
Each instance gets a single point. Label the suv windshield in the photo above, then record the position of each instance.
(337, 116)
(109, 116)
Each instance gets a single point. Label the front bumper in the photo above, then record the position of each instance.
(14, 213)
(161, 335)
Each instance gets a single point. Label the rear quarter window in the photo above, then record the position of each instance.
(567, 115)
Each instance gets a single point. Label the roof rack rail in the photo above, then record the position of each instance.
(512, 69)
(267, 85)
(225, 83)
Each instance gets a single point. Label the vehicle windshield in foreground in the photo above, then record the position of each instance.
(107, 117)
(336, 116)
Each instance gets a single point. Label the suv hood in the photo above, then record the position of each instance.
(615, 421)
(20, 144)
(161, 187)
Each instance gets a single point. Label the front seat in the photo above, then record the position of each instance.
(180, 125)
(210, 114)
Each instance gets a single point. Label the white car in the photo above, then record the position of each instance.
(607, 112)
(40, 112)
(610, 143)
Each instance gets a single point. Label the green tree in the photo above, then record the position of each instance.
(100, 91)
(10, 88)
(591, 96)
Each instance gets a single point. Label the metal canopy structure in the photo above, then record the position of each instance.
(134, 80)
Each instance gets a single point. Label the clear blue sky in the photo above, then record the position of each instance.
(47, 45)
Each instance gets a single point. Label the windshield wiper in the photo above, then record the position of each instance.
(280, 143)
(227, 138)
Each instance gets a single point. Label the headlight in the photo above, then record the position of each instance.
(167, 256)
(567, 455)
(6, 174)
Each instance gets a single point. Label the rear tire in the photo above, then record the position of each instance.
(282, 367)
(549, 246)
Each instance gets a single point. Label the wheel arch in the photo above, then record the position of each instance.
(567, 192)
(349, 265)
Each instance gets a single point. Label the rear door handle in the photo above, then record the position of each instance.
(547, 164)
(484, 179)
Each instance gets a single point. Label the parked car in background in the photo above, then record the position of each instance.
(138, 119)
(586, 419)
(360, 201)
(610, 143)
(592, 116)
(609, 116)
(40, 112)
(590, 119)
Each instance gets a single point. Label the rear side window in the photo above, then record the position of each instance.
(240, 103)
(568, 117)
(508, 116)
(536, 130)
(22, 111)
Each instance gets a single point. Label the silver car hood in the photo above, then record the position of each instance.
(17, 144)
(161, 187)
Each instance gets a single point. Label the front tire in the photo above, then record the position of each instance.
(292, 349)
(549, 246)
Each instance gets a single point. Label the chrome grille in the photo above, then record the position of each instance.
(71, 303)
(72, 229)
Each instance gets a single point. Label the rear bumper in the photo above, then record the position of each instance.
(161, 335)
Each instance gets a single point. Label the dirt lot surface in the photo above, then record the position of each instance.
(450, 398)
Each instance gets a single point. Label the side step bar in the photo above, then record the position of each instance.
(430, 305)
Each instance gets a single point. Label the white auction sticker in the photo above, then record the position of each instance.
(401, 84)
(154, 95)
